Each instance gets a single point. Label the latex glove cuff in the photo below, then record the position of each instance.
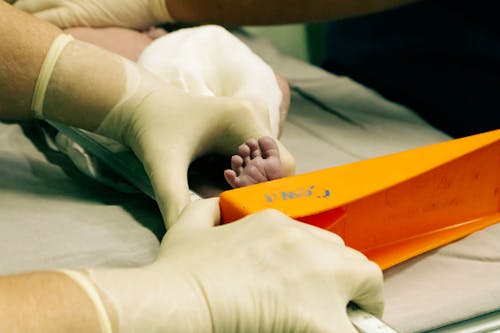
(45, 74)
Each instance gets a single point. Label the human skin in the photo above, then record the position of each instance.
(263, 12)
(44, 302)
(46, 290)
(257, 162)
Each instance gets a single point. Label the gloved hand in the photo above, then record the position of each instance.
(166, 128)
(191, 59)
(264, 273)
(98, 13)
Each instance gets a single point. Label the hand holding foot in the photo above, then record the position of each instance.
(257, 162)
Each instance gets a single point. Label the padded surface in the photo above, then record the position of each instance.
(52, 216)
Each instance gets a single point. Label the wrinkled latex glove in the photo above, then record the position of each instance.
(98, 13)
(210, 61)
(264, 273)
(167, 128)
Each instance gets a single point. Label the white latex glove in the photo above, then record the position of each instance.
(264, 273)
(167, 128)
(98, 13)
(210, 61)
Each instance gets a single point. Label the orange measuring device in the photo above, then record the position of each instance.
(393, 207)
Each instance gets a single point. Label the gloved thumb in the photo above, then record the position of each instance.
(197, 216)
(200, 214)
(167, 171)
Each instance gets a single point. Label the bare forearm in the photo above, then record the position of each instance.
(247, 12)
(25, 41)
(84, 85)
(45, 302)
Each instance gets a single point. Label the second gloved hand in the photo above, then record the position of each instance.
(98, 13)
(264, 273)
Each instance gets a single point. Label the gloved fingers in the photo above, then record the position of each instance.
(198, 215)
(167, 170)
(34, 6)
(370, 297)
(172, 196)
(367, 292)
(362, 279)
(355, 279)
(326, 251)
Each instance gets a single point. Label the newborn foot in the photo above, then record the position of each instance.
(257, 162)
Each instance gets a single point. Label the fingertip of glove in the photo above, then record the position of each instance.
(200, 214)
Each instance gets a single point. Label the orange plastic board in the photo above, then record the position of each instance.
(394, 207)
